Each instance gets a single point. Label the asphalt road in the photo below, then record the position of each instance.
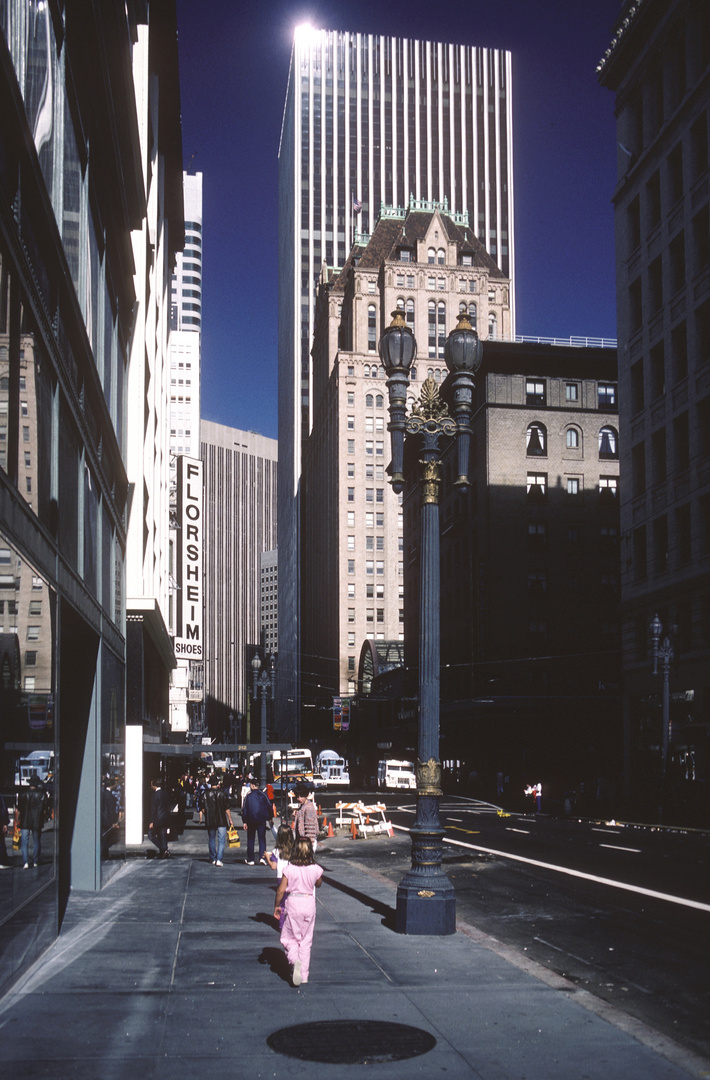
(622, 911)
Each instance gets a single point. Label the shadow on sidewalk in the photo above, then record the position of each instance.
(276, 959)
(388, 913)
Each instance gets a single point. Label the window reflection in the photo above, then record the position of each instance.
(27, 728)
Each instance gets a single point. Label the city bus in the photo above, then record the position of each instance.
(296, 762)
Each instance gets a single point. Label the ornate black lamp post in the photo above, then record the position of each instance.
(262, 673)
(663, 652)
(425, 897)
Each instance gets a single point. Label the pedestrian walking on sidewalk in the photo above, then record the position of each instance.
(297, 893)
(159, 817)
(256, 811)
(217, 816)
(305, 822)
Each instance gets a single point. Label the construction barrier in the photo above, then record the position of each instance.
(363, 819)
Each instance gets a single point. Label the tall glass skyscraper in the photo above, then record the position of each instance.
(371, 120)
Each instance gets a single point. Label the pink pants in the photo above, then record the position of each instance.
(297, 931)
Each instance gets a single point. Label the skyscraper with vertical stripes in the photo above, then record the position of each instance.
(372, 120)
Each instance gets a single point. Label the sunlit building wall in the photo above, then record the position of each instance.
(372, 120)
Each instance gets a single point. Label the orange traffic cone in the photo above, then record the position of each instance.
(353, 829)
(330, 829)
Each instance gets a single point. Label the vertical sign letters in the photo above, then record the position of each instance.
(188, 643)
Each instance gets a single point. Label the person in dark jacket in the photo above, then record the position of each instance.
(256, 811)
(217, 815)
(5, 860)
(31, 806)
(159, 816)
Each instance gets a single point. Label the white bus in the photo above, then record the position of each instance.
(296, 762)
(396, 775)
(333, 769)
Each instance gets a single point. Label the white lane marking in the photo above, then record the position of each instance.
(459, 819)
(617, 847)
(509, 828)
(576, 873)
(615, 832)
(564, 952)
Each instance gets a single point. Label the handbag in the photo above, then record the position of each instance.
(16, 835)
(233, 837)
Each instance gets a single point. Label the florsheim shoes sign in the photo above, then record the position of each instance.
(188, 641)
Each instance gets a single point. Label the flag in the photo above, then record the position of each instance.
(357, 205)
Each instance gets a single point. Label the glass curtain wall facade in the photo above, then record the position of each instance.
(66, 297)
(371, 120)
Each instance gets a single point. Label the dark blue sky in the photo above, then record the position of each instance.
(234, 59)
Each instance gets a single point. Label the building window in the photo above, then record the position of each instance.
(606, 395)
(537, 486)
(351, 494)
(573, 485)
(369, 567)
(351, 663)
(351, 543)
(608, 444)
(608, 486)
(351, 566)
(380, 568)
(369, 494)
(370, 614)
(372, 328)
(351, 614)
(536, 532)
(30, 658)
(431, 255)
(492, 325)
(351, 590)
(536, 437)
(33, 633)
(534, 392)
(537, 581)
(572, 391)
(572, 438)
(351, 519)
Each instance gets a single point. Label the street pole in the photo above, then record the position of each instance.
(425, 897)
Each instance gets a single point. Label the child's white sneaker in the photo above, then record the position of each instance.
(297, 973)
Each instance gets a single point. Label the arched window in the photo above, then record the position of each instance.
(536, 439)
(492, 325)
(400, 303)
(381, 371)
(366, 370)
(369, 401)
(572, 440)
(608, 443)
(473, 314)
(410, 312)
(379, 401)
(372, 328)
(441, 256)
(431, 255)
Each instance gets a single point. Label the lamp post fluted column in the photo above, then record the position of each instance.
(425, 896)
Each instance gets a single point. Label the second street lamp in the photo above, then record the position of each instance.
(262, 673)
(425, 896)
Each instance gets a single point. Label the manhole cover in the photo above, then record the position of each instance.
(351, 1042)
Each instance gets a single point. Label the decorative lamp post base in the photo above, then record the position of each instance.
(426, 906)
(426, 903)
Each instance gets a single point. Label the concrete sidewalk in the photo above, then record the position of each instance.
(175, 970)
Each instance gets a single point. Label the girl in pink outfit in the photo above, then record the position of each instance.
(299, 881)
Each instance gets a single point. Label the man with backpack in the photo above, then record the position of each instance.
(256, 811)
